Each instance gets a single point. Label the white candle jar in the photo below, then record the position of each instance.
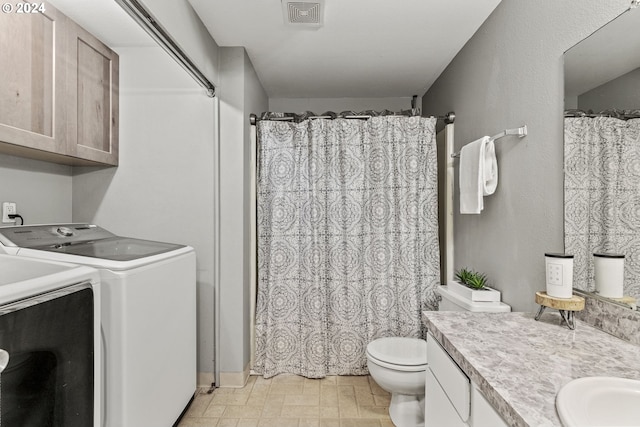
(609, 274)
(559, 273)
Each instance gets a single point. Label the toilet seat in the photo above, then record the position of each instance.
(399, 353)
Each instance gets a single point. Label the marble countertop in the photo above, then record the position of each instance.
(520, 364)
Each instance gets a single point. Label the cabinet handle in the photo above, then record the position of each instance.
(4, 359)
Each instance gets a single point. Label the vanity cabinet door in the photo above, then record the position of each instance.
(482, 413)
(439, 411)
(92, 91)
(32, 79)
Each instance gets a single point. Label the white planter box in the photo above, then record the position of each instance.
(486, 294)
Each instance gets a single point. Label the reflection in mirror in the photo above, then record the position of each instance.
(602, 152)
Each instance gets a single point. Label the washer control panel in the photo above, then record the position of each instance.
(33, 236)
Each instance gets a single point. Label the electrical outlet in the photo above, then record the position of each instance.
(8, 208)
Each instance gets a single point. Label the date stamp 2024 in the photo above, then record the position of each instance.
(23, 7)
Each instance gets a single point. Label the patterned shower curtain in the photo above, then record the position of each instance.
(602, 195)
(347, 240)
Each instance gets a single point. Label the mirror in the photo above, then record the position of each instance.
(602, 152)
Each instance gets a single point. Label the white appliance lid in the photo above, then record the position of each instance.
(399, 350)
(85, 240)
(21, 278)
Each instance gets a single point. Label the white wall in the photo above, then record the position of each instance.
(321, 105)
(163, 188)
(510, 73)
(240, 95)
(41, 190)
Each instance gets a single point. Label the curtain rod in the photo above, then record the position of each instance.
(148, 23)
(617, 114)
(448, 118)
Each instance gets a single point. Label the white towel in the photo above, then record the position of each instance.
(478, 174)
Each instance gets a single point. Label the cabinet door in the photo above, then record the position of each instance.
(92, 105)
(32, 78)
(439, 411)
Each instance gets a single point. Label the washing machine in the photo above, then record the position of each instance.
(49, 344)
(148, 306)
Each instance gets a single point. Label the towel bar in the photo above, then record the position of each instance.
(520, 132)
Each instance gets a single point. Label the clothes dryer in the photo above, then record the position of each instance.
(49, 344)
(148, 315)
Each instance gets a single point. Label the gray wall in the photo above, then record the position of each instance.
(163, 188)
(240, 95)
(510, 73)
(622, 93)
(41, 190)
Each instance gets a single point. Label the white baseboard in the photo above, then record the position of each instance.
(205, 379)
(234, 379)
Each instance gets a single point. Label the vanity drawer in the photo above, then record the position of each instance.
(453, 381)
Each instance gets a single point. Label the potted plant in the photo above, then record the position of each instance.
(474, 286)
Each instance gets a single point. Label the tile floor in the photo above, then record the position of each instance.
(293, 401)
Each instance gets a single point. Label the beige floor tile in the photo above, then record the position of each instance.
(243, 411)
(348, 407)
(278, 422)
(302, 399)
(260, 388)
(376, 389)
(262, 380)
(199, 404)
(286, 388)
(198, 422)
(329, 412)
(214, 411)
(311, 386)
(358, 422)
(271, 410)
(299, 411)
(257, 400)
(229, 399)
(382, 400)
(288, 379)
(329, 380)
(293, 401)
(364, 396)
(354, 380)
(373, 412)
(273, 399)
(345, 390)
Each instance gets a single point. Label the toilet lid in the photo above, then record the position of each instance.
(399, 350)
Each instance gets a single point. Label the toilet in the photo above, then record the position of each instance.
(399, 364)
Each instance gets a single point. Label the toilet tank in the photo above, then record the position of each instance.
(454, 302)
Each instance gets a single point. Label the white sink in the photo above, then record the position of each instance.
(599, 401)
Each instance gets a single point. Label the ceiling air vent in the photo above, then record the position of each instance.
(303, 13)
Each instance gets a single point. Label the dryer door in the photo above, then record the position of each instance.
(48, 344)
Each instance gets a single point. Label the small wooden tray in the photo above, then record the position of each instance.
(575, 303)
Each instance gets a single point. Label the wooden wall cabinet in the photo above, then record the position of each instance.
(92, 98)
(58, 90)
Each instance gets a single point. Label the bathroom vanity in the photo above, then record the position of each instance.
(516, 365)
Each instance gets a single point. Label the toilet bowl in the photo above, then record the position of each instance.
(398, 365)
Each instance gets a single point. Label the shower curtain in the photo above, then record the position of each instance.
(602, 194)
(347, 239)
